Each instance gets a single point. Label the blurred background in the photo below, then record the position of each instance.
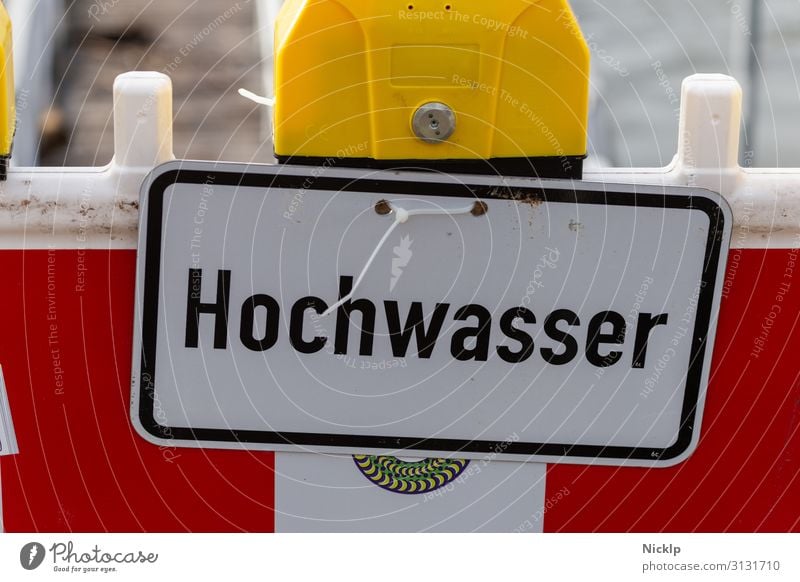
(67, 54)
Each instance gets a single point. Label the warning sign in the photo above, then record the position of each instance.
(289, 308)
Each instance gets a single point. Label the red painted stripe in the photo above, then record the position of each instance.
(65, 349)
(82, 468)
(745, 476)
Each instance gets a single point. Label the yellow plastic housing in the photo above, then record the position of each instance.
(349, 75)
(7, 97)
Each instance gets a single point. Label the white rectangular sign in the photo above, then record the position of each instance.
(549, 321)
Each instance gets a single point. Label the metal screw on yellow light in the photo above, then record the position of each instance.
(434, 122)
(454, 85)
(7, 97)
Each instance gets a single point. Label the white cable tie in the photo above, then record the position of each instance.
(401, 216)
(257, 98)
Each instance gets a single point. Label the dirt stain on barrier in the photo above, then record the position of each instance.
(124, 205)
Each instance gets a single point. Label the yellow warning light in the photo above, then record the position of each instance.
(7, 104)
(430, 80)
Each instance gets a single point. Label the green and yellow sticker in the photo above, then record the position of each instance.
(409, 477)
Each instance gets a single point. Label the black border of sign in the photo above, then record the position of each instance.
(282, 179)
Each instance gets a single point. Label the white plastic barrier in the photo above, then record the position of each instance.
(85, 208)
(42, 206)
(94, 207)
(766, 202)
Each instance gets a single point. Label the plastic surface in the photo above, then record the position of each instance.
(7, 99)
(349, 76)
(81, 466)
